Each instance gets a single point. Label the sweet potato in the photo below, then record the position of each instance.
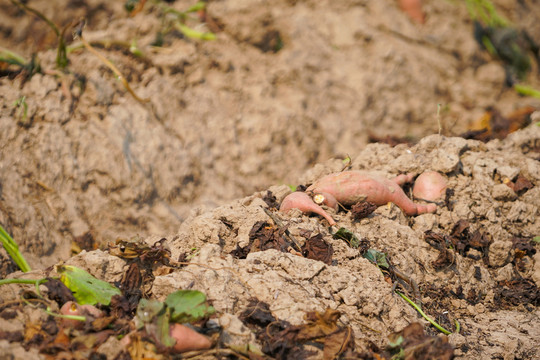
(72, 308)
(303, 202)
(188, 339)
(350, 187)
(430, 186)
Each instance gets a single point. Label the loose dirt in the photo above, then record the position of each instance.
(286, 86)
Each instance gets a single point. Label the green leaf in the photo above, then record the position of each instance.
(527, 91)
(377, 257)
(348, 236)
(154, 316)
(188, 306)
(147, 310)
(198, 6)
(85, 288)
(536, 239)
(195, 34)
(395, 342)
(13, 250)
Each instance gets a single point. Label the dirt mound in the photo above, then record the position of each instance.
(484, 273)
(286, 84)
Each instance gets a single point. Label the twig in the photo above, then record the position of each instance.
(110, 65)
(286, 233)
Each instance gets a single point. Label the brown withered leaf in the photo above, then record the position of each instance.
(270, 200)
(517, 291)
(522, 247)
(362, 210)
(337, 343)
(522, 185)
(493, 125)
(257, 313)
(318, 324)
(462, 239)
(263, 236)
(58, 292)
(413, 344)
(440, 242)
(322, 328)
(317, 249)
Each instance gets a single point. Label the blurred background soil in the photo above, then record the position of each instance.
(286, 84)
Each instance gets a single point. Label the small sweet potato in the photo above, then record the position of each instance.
(72, 308)
(350, 187)
(430, 186)
(303, 202)
(188, 339)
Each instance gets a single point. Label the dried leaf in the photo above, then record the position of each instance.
(362, 210)
(317, 249)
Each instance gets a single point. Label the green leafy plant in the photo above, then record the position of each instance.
(174, 19)
(179, 307)
(13, 250)
(188, 306)
(85, 288)
(484, 11)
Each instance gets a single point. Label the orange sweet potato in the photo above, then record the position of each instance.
(350, 187)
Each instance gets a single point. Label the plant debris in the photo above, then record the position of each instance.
(321, 328)
(257, 314)
(263, 236)
(362, 210)
(441, 243)
(463, 239)
(493, 125)
(348, 236)
(317, 249)
(518, 292)
(412, 343)
(521, 185)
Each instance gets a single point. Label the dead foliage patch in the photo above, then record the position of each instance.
(494, 125)
(362, 210)
(284, 341)
(317, 248)
(412, 343)
(263, 236)
(521, 185)
(516, 292)
(270, 200)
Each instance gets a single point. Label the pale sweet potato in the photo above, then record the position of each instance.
(350, 187)
(303, 202)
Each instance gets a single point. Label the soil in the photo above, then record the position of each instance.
(286, 92)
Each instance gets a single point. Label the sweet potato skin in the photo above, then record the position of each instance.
(303, 202)
(351, 187)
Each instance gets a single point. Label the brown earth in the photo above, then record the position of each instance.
(286, 85)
